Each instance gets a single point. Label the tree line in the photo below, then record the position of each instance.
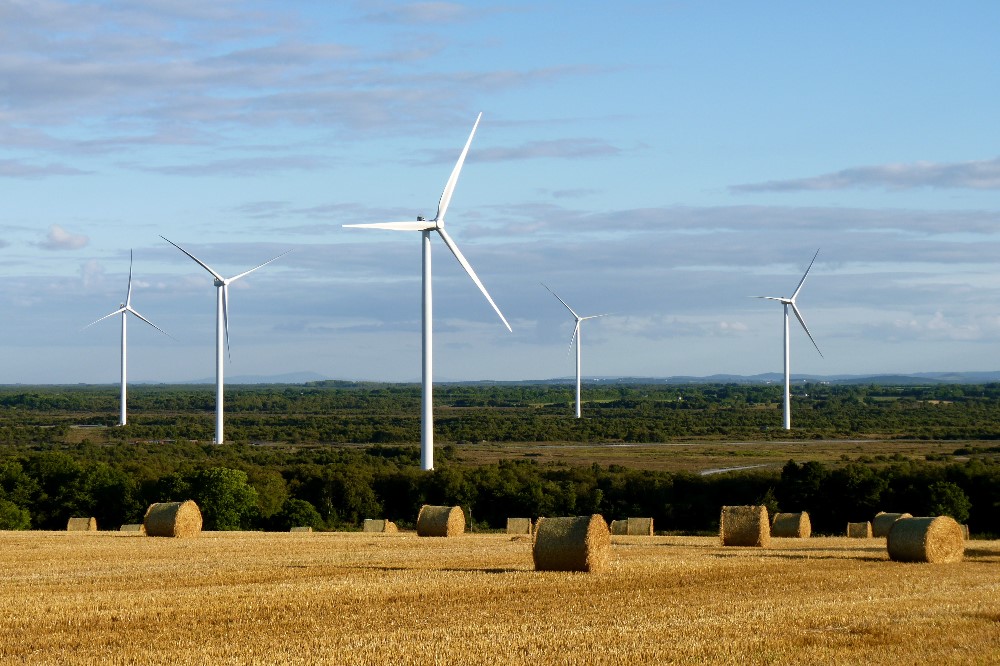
(239, 486)
(344, 412)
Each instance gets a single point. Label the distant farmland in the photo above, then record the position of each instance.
(279, 598)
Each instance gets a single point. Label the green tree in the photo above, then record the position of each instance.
(297, 513)
(13, 517)
(945, 498)
(227, 501)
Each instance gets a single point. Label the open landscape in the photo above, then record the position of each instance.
(237, 598)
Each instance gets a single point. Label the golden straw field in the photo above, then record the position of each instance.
(356, 598)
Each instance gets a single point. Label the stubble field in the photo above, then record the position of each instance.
(277, 598)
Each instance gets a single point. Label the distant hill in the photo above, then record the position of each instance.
(916, 378)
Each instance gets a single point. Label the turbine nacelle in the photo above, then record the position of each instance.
(437, 224)
(790, 301)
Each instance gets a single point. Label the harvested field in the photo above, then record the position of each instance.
(282, 598)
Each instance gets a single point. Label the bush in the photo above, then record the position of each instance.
(297, 513)
(948, 499)
(226, 500)
(13, 517)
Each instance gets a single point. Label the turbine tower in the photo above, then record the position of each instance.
(221, 327)
(790, 302)
(425, 227)
(575, 338)
(124, 311)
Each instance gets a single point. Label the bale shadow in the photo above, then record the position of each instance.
(800, 556)
(785, 555)
(485, 571)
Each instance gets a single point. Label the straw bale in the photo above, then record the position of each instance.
(883, 521)
(859, 530)
(576, 543)
(519, 526)
(793, 525)
(745, 526)
(380, 525)
(965, 532)
(440, 521)
(301, 528)
(639, 527)
(619, 527)
(139, 528)
(173, 519)
(82, 525)
(934, 540)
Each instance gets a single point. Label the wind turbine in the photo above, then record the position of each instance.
(575, 338)
(425, 227)
(221, 326)
(124, 311)
(786, 302)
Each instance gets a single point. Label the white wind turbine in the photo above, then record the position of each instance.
(575, 338)
(124, 311)
(786, 302)
(425, 227)
(221, 327)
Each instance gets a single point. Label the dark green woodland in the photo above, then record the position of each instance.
(333, 453)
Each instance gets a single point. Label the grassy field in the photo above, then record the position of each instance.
(338, 598)
(701, 456)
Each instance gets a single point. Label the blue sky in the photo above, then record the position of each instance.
(660, 161)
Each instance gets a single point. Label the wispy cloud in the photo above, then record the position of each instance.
(20, 169)
(239, 167)
(554, 149)
(421, 13)
(977, 175)
(60, 239)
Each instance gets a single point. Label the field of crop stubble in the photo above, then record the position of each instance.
(277, 598)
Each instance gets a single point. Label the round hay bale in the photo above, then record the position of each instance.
(379, 525)
(576, 543)
(82, 524)
(173, 519)
(619, 527)
(440, 521)
(390, 527)
(639, 527)
(791, 525)
(934, 540)
(301, 528)
(519, 526)
(883, 522)
(859, 530)
(745, 526)
(133, 529)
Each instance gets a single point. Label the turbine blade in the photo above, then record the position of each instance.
(449, 188)
(770, 298)
(561, 300)
(468, 269)
(110, 314)
(128, 294)
(237, 277)
(607, 314)
(225, 318)
(129, 309)
(572, 338)
(421, 225)
(803, 280)
(798, 315)
(196, 259)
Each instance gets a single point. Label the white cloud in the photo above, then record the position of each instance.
(977, 175)
(60, 239)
